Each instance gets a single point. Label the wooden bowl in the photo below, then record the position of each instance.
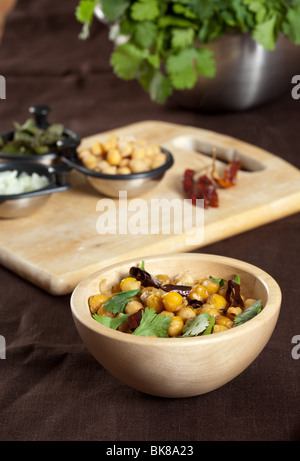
(179, 367)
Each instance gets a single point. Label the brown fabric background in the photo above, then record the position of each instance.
(50, 387)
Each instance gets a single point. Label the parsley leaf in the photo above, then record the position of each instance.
(119, 301)
(109, 322)
(248, 313)
(153, 324)
(197, 325)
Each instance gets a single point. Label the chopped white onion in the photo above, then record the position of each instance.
(12, 184)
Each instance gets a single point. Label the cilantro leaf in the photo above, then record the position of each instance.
(291, 26)
(145, 10)
(182, 38)
(109, 322)
(220, 281)
(145, 34)
(197, 325)
(248, 313)
(237, 279)
(265, 33)
(119, 301)
(153, 324)
(160, 87)
(127, 60)
(182, 67)
(85, 11)
(114, 9)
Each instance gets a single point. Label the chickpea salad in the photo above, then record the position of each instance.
(156, 306)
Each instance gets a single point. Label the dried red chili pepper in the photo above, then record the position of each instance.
(229, 176)
(203, 189)
(233, 296)
(207, 191)
(135, 319)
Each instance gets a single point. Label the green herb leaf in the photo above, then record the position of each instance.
(85, 11)
(145, 10)
(220, 281)
(182, 67)
(153, 324)
(119, 301)
(265, 33)
(248, 313)
(237, 279)
(114, 9)
(109, 322)
(210, 327)
(127, 60)
(197, 325)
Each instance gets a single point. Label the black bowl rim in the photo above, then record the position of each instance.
(69, 134)
(39, 168)
(77, 165)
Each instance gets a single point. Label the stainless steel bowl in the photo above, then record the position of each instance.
(247, 75)
(40, 114)
(134, 184)
(20, 205)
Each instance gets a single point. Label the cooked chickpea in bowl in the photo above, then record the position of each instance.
(158, 306)
(121, 164)
(122, 155)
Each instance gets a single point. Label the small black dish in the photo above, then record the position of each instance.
(20, 205)
(40, 113)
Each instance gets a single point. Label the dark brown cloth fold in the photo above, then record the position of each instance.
(50, 387)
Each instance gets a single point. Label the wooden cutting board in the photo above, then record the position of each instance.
(59, 245)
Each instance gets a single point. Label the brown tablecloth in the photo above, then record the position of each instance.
(50, 387)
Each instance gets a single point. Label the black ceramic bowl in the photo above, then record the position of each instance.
(40, 115)
(20, 205)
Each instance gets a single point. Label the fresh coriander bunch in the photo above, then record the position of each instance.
(166, 39)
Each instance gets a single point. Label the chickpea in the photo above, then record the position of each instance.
(96, 301)
(176, 326)
(137, 165)
(167, 313)
(114, 157)
(96, 148)
(172, 301)
(124, 170)
(138, 153)
(186, 313)
(156, 303)
(209, 309)
(198, 292)
(105, 313)
(130, 283)
(112, 169)
(249, 302)
(212, 287)
(163, 279)
(158, 160)
(184, 279)
(219, 328)
(133, 306)
(232, 312)
(225, 321)
(218, 301)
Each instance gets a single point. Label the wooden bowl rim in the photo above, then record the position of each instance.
(82, 314)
